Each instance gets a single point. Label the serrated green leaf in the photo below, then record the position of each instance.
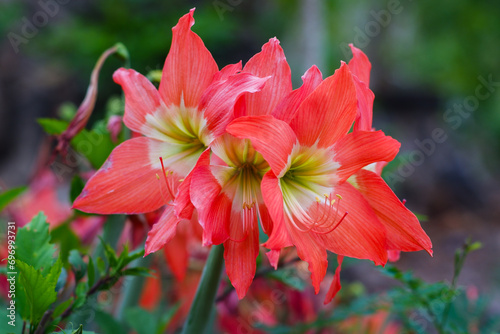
(39, 290)
(9, 195)
(78, 266)
(59, 309)
(33, 245)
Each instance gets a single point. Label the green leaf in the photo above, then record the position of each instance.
(289, 277)
(76, 188)
(142, 321)
(9, 195)
(39, 290)
(81, 294)
(59, 309)
(78, 266)
(107, 323)
(137, 271)
(101, 266)
(53, 126)
(90, 273)
(33, 245)
(67, 240)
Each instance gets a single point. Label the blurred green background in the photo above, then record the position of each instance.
(430, 64)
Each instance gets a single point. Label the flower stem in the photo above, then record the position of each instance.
(201, 309)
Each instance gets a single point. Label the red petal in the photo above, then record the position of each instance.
(240, 260)
(162, 232)
(328, 112)
(273, 256)
(272, 138)
(360, 234)
(218, 100)
(271, 192)
(189, 68)
(270, 61)
(227, 71)
(183, 206)
(312, 251)
(360, 65)
(361, 148)
(214, 207)
(393, 255)
(364, 117)
(335, 286)
(177, 255)
(403, 229)
(126, 183)
(141, 99)
(287, 108)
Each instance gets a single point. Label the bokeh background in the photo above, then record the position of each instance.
(435, 75)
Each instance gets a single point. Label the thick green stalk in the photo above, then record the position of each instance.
(201, 309)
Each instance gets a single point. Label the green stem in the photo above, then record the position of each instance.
(201, 309)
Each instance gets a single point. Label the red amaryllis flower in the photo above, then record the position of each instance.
(227, 193)
(311, 155)
(192, 106)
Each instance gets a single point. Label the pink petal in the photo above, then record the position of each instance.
(335, 286)
(361, 148)
(141, 99)
(271, 192)
(162, 232)
(240, 258)
(288, 107)
(272, 138)
(360, 234)
(218, 100)
(127, 182)
(189, 68)
(328, 112)
(360, 65)
(271, 61)
(404, 232)
(214, 207)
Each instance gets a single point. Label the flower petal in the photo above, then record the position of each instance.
(364, 116)
(287, 108)
(360, 65)
(141, 99)
(271, 61)
(361, 148)
(214, 206)
(189, 68)
(176, 254)
(218, 100)
(328, 112)
(127, 182)
(240, 258)
(162, 232)
(271, 137)
(271, 192)
(360, 234)
(312, 251)
(335, 286)
(183, 206)
(403, 229)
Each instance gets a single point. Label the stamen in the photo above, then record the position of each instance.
(166, 174)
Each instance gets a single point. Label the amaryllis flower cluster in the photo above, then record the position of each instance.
(238, 151)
